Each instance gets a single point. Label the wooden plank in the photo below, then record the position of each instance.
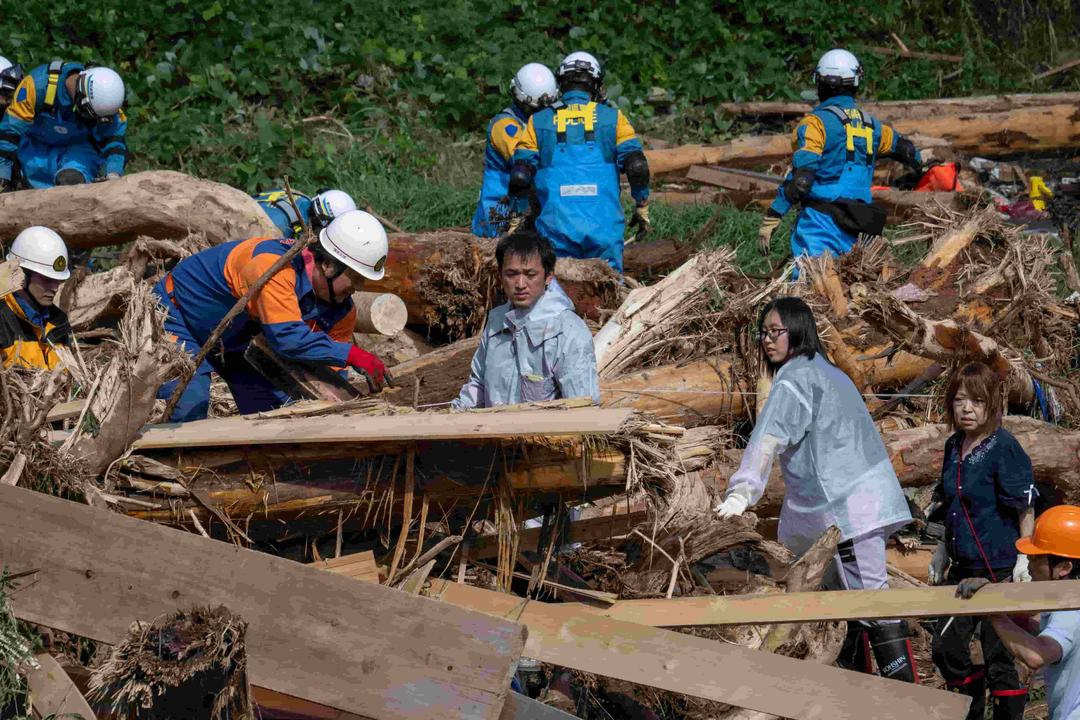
(358, 647)
(594, 524)
(732, 674)
(53, 693)
(11, 278)
(1025, 598)
(66, 411)
(249, 430)
(359, 566)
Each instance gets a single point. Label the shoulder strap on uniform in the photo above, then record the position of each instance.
(839, 113)
(53, 83)
(295, 221)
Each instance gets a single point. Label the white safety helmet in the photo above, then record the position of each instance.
(580, 67)
(534, 87)
(358, 240)
(10, 76)
(838, 67)
(99, 93)
(4, 63)
(41, 250)
(330, 204)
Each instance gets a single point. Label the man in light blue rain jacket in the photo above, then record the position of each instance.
(574, 152)
(64, 127)
(832, 169)
(532, 88)
(533, 347)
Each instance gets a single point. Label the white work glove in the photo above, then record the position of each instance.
(935, 575)
(1020, 569)
(732, 505)
(112, 176)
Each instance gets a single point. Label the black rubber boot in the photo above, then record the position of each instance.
(855, 654)
(1009, 707)
(891, 643)
(974, 688)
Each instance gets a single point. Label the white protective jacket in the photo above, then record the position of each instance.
(543, 353)
(835, 466)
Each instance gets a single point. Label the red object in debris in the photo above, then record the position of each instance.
(941, 178)
(1024, 211)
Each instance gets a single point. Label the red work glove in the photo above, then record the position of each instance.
(368, 364)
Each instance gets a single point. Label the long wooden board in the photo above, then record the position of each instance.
(224, 432)
(355, 646)
(53, 693)
(1009, 598)
(704, 668)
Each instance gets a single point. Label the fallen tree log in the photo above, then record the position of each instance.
(358, 647)
(157, 204)
(379, 313)
(992, 134)
(697, 393)
(896, 110)
(447, 280)
(433, 378)
(655, 257)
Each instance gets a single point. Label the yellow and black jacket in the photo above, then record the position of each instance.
(27, 345)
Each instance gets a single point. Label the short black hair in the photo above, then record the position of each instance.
(524, 244)
(802, 333)
(1054, 560)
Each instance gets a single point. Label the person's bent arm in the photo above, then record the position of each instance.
(472, 393)
(807, 144)
(1034, 651)
(13, 125)
(110, 138)
(576, 373)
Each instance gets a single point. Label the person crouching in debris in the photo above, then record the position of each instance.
(1053, 549)
(31, 326)
(534, 347)
(293, 213)
(985, 499)
(305, 311)
(836, 472)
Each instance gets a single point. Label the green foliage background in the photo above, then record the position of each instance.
(389, 100)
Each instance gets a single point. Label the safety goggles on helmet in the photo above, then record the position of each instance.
(10, 78)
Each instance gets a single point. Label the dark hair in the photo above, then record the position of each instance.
(980, 382)
(1052, 560)
(524, 244)
(802, 333)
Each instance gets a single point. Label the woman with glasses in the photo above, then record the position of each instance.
(836, 472)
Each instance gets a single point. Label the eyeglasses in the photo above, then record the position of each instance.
(772, 334)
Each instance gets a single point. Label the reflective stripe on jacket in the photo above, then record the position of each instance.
(27, 344)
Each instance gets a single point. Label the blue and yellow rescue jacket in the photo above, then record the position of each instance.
(296, 323)
(29, 335)
(503, 133)
(578, 147)
(840, 144)
(276, 205)
(43, 112)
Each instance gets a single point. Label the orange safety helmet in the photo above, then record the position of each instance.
(1057, 532)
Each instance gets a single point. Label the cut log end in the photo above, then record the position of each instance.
(380, 313)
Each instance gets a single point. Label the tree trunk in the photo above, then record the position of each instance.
(379, 313)
(447, 280)
(1025, 129)
(895, 111)
(158, 204)
(435, 377)
(654, 257)
(698, 393)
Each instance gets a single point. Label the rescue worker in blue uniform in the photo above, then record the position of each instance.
(832, 169)
(573, 152)
(64, 127)
(10, 77)
(305, 311)
(532, 89)
(313, 213)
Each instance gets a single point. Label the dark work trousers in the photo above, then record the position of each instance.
(952, 655)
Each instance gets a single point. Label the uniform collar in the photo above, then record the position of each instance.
(30, 310)
(840, 101)
(576, 97)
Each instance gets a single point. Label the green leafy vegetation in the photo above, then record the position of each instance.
(389, 101)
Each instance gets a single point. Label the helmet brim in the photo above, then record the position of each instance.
(366, 271)
(1026, 546)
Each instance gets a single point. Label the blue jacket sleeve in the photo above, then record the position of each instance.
(110, 139)
(296, 341)
(807, 144)
(1015, 478)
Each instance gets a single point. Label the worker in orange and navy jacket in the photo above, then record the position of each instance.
(305, 311)
(31, 326)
